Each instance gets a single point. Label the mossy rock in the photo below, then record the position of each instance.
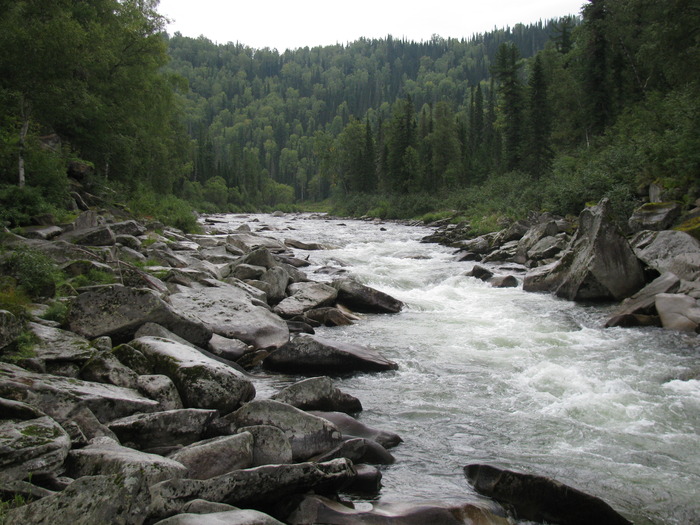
(691, 227)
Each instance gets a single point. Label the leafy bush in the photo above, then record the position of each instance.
(168, 209)
(19, 205)
(33, 271)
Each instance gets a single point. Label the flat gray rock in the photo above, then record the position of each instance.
(217, 456)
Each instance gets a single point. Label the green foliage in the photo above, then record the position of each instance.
(168, 209)
(12, 298)
(34, 272)
(93, 277)
(8, 504)
(57, 311)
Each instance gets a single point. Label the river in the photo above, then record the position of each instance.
(523, 381)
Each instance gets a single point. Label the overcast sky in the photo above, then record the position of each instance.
(284, 24)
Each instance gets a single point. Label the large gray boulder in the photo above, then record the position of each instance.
(201, 381)
(252, 487)
(216, 456)
(88, 501)
(170, 428)
(308, 435)
(304, 297)
(277, 280)
(29, 445)
(678, 312)
(10, 328)
(542, 230)
(271, 446)
(318, 509)
(352, 428)
(669, 251)
(162, 389)
(361, 298)
(599, 265)
(118, 311)
(640, 309)
(318, 393)
(654, 216)
(105, 456)
(104, 367)
(57, 396)
(59, 352)
(310, 354)
(538, 498)
(248, 242)
(229, 517)
(359, 451)
(228, 311)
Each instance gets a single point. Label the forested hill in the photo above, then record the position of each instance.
(260, 117)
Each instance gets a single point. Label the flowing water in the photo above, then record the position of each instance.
(519, 380)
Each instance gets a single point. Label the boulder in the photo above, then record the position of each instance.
(367, 482)
(479, 245)
(59, 352)
(548, 247)
(229, 517)
(644, 301)
(227, 348)
(129, 227)
(318, 393)
(169, 428)
(363, 298)
(249, 242)
(318, 509)
(228, 311)
(678, 312)
(329, 316)
(245, 272)
(669, 251)
(308, 435)
(310, 246)
(88, 425)
(546, 228)
(305, 296)
(359, 450)
(270, 445)
(310, 354)
(277, 279)
(160, 388)
(31, 446)
(654, 216)
(257, 486)
(538, 498)
(97, 236)
(599, 265)
(88, 501)
(10, 328)
(503, 281)
(57, 396)
(479, 272)
(105, 456)
(352, 428)
(201, 381)
(104, 367)
(119, 311)
(216, 456)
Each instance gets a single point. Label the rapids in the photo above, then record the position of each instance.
(519, 380)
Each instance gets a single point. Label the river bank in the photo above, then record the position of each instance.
(416, 361)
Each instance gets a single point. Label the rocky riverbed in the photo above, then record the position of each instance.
(143, 407)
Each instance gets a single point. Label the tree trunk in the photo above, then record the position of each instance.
(22, 141)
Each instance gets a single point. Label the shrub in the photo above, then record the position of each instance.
(33, 271)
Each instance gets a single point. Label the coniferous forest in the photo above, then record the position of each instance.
(548, 116)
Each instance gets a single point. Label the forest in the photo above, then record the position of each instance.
(548, 116)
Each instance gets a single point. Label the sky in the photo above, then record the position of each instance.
(290, 24)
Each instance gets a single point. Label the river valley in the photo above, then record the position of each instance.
(523, 381)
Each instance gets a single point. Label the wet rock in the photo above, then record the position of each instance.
(270, 445)
(216, 456)
(201, 381)
(503, 281)
(479, 245)
(230, 349)
(642, 305)
(678, 312)
(57, 396)
(90, 500)
(352, 428)
(292, 243)
(305, 296)
(546, 228)
(541, 499)
(310, 354)
(318, 509)
(118, 311)
(359, 450)
(163, 429)
(277, 279)
(365, 299)
(318, 393)
(308, 435)
(329, 316)
(253, 487)
(368, 480)
(249, 242)
(105, 456)
(654, 216)
(228, 311)
(229, 517)
(480, 272)
(669, 251)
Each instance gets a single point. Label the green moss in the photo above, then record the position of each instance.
(691, 226)
(654, 206)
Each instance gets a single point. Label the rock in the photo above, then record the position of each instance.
(201, 506)
(118, 311)
(305, 296)
(201, 381)
(59, 352)
(678, 312)
(654, 216)
(253, 487)
(598, 265)
(216, 456)
(643, 302)
(129, 227)
(226, 348)
(249, 242)
(669, 251)
(479, 245)
(129, 356)
(245, 272)
(277, 279)
(104, 367)
(352, 428)
(547, 247)
(329, 316)
(88, 501)
(308, 435)
(97, 236)
(270, 445)
(545, 228)
(359, 450)
(129, 241)
(480, 272)
(318, 509)
(362, 298)
(57, 396)
(230, 517)
(30, 447)
(42, 232)
(228, 311)
(310, 354)
(318, 393)
(503, 281)
(368, 480)
(162, 389)
(105, 456)
(299, 245)
(163, 429)
(88, 424)
(10, 328)
(538, 498)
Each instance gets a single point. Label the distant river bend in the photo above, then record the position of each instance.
(523, 381)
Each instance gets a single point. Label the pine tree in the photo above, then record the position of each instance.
(507, 74)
